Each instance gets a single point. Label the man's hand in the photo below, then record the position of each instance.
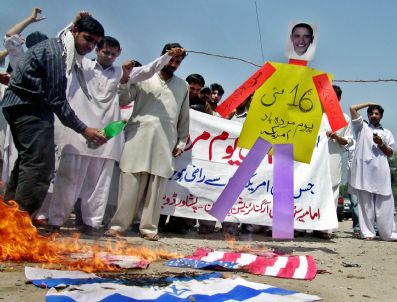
(34, 17)
(20, 26)
(94, 135)
(176, 52)
(80, 15)
(378, 140)
(127, 67)
(355, 108)
(330, 134)
(4, 78)
(177, 152)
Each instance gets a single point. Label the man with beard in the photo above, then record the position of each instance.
(36, 91)
(369, 175)
(183, 225)
(156, 132)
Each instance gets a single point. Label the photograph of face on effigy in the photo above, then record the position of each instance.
(302, 41)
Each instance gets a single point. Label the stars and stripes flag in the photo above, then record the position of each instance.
(269, 264)
(74, 286)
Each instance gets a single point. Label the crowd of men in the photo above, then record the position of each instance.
(54, 76)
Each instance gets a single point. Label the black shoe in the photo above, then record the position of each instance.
(91, 231)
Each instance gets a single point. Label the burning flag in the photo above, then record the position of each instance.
(80, 287)
(20, 241)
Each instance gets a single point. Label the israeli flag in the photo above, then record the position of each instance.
(80, 287)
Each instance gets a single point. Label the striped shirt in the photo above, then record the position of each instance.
(41, 77)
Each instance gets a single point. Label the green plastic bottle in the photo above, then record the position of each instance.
(111, 130)
(114, 128)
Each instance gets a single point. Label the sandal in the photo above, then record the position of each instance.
(356, 234)
(368, 238)
(151, 237)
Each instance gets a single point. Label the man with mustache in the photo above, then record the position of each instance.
(369, 175)
(156, 132)
(37, 90)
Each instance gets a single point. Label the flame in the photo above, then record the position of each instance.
(20, 241)
(256, 249)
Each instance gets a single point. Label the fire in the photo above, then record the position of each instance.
(256, 249)
(20, 241)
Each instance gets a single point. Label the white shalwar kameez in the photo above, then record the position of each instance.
(83, 172)
(159, 123)
(369, 178)
(336, 151)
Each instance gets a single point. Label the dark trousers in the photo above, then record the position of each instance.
(32, 129)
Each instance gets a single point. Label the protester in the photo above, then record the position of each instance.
(241, 111)
(36, 91)
(183, 225)
(196, 83)
(338, 142)
(156, 132)
(216, 95)
(84, 172)
(369, 176)
(13, 42)
(205, 98)
(352, 197)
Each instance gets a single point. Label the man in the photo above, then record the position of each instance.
(338, 143)
(196, 83)
(182, 225)
(205, 98)
(216, 95)
(301, 38)
(241, 112)
(13, 42)
(156, 132)
(369, 176)
(84, 172)
(36, 91)
(352, 197)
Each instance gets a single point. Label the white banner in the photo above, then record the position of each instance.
(211, 157)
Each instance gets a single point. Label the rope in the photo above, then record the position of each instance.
(254, 64)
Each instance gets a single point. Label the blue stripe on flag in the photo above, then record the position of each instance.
(238, 293)
(59, 299)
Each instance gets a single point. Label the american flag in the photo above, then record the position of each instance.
(270, 264)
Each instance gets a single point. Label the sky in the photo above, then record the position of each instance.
(356, 41)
